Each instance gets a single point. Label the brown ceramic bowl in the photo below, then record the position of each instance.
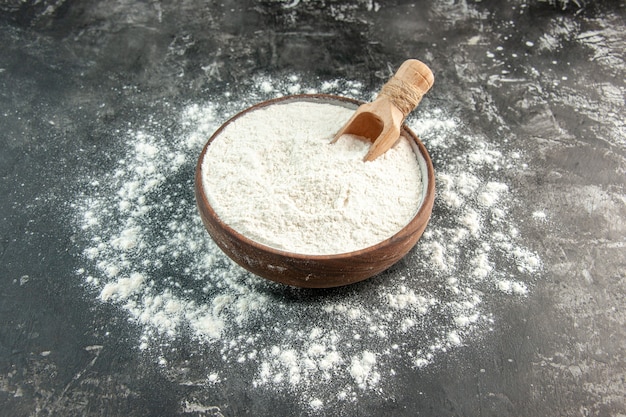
(317, 271)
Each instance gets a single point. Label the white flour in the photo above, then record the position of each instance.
(273, 176)
(146, 250)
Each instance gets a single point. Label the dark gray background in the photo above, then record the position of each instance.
(61, 60)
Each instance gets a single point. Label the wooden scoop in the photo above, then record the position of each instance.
(381, 120)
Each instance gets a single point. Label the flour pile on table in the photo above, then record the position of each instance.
(148, 253)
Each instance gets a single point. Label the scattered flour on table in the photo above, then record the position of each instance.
(273, 176)
(146, 250)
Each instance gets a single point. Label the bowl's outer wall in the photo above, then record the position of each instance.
(319, 271)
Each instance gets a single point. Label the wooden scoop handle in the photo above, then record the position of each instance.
(409, 84)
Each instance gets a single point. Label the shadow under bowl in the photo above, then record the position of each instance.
(317, 271)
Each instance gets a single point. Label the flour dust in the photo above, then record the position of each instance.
(148, 253)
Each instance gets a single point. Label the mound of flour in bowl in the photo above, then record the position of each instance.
(273, 176)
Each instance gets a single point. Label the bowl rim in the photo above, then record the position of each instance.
(201, 196)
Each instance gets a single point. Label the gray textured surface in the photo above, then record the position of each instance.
(73, 72)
